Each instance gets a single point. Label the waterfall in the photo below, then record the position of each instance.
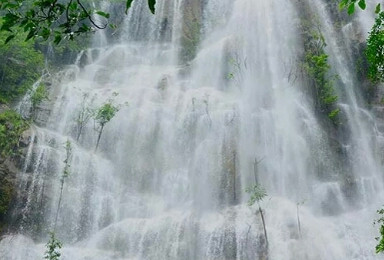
(211, 99)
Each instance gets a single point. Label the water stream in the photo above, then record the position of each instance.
(168, 179)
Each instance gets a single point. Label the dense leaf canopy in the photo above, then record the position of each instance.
(53, 19)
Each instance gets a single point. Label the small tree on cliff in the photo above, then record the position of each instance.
(53, 246)
(103, 115)
(257, 194)
(84, 115)
(64, 176)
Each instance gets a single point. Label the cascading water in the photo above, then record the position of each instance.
(168, 179)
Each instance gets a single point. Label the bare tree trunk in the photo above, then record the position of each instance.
(58, 205)
(298, 220)
(255, 163)
(265, 231)
(264, 226)
(234, 176)
(98, 138)
(79, 132)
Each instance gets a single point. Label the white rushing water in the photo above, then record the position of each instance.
(168, 179)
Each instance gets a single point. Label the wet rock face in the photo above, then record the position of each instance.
(9, 168)
(191, 27)
(25, 138)
(8, 172)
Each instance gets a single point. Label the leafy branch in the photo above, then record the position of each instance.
(103, 115)
(350, 5)
(53, 19)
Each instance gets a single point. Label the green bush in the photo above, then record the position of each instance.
(103, 115)
(53, 248)
(315, 65)
(12, 125)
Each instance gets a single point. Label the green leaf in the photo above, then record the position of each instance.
(128, 5)
(257, 194)
(45, 33)
(73, 6)
(343, 4)
(362, 4)
(57, 39)
(378, 8)
(103, 14)
(10, 37)
(351, 8)
(151, 5)
(30, 35)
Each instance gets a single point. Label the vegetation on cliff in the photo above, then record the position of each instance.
(20, 66)
(12, 125)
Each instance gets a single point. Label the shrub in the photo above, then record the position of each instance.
(12, 125)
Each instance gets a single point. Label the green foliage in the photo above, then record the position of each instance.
(105, 113)
(128, 5)
(12, 125)
(316, 67)
(378, 8)
(151, 5)
(53, 248)
(257, 194)
(20, 67)
(380, 239)
(350, 5)
(84, 115)
(375, 50)
(333, 114)
(39, 95)
(52, 19)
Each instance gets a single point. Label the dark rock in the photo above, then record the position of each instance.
(191, 29)
(8, 172)
(9, 169)
(25, 139)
